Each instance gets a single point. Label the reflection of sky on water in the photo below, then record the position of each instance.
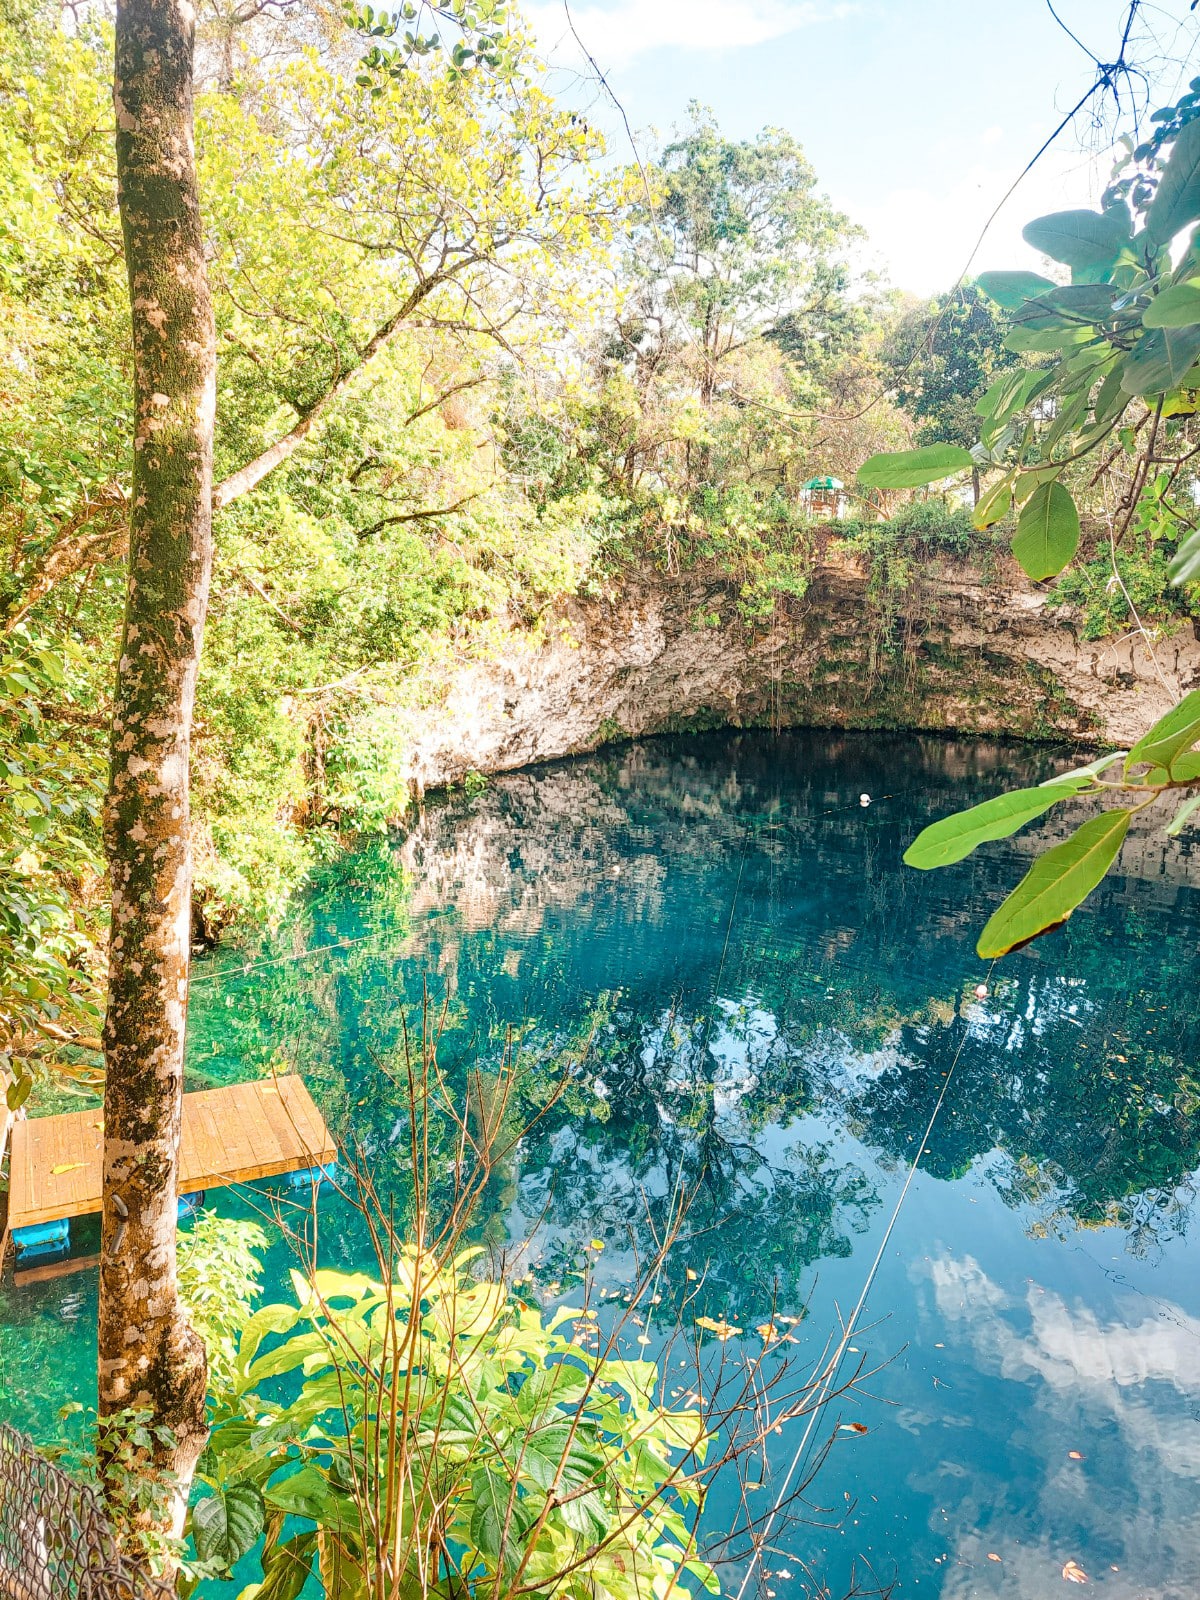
(1120, 1385)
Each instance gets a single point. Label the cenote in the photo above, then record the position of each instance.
(751, 996)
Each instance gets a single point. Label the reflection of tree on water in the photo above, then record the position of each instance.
(744, 866)
(1094, 1124)
(711, 1108)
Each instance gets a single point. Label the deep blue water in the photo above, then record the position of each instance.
(759, 1006)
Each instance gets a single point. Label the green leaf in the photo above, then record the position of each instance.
(1176, 307)
(1170, 736)
(1079, 302)
(1093, 768)
(491, 1493)
(909, 469)
(1046, 339)
(1184, 769)
(1055, 884)
(1111, 398)
(1177, 199)
(953, 838)
(287, 1356)
(1012, 289)
(269, 1319)
(1159, 359)
(1185, 564)
(1081, 239)
(1182, 816)
(288, 1570)
(1047, 533)
(994, 506)
(543, 1451)
(308, 1493)
(585, 1514)
(18, 1092)
(227, 1524)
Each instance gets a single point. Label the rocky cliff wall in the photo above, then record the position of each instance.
(963, 653)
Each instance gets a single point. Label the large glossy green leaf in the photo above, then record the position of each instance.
(585, 1514)
(1012, 289)
(1047, 533)
(1076, 302)
(1178, 306)
(1177, 199)
(909, 469)
(1111, 398)
(269, 1319)
(1170, 736)
(1159, 360)
(953, 838)
(1081, 239)
(286, 1357)
(1055, 884)
(309, 1493)
(1185, 564)
(227, 1524)
(1044, 339)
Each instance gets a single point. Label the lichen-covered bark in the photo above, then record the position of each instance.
(149, 1356)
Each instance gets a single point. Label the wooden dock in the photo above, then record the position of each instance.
(235, 1134)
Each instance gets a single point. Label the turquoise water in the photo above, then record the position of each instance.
(759, 1004)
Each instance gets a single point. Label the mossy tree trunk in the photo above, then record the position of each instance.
(150, 1358)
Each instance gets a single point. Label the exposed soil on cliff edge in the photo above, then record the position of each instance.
(960, 652)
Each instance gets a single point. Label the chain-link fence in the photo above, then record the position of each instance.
(55, 1540)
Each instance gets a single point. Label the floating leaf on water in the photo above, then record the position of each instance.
(855, 1427)
(992, 1556)
(1074, 1455)
(1074, 1573)
(722, 1329)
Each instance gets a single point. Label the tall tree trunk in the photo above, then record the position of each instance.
(150, 1358)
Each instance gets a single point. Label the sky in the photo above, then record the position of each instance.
(917, 114)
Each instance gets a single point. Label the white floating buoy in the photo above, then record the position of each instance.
(981, 990)
(864, 799)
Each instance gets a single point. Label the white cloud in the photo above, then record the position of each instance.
(923, 236)
(615, 33)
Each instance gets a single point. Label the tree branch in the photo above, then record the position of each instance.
(252, 474)
(257, 588)
(416, 516)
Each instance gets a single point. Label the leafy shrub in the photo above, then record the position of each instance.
(446, 1432)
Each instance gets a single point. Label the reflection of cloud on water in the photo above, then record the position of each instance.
(1124, 1393)
(1070, 1349)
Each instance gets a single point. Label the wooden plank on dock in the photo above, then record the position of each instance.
(236, 1134)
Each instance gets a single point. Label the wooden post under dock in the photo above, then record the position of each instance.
(236, 1134)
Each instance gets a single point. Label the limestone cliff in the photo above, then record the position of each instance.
(966, 652)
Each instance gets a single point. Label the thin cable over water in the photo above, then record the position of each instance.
(831, 1370)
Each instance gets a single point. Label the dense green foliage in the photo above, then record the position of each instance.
(467, 367)
(1106, 396)
(443, 1434)
(488, 369)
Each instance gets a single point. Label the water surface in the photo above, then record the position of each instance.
(758, 1004)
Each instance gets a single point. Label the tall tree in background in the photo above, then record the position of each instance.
(739, 271)
(941, 358)
(149, 1357)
